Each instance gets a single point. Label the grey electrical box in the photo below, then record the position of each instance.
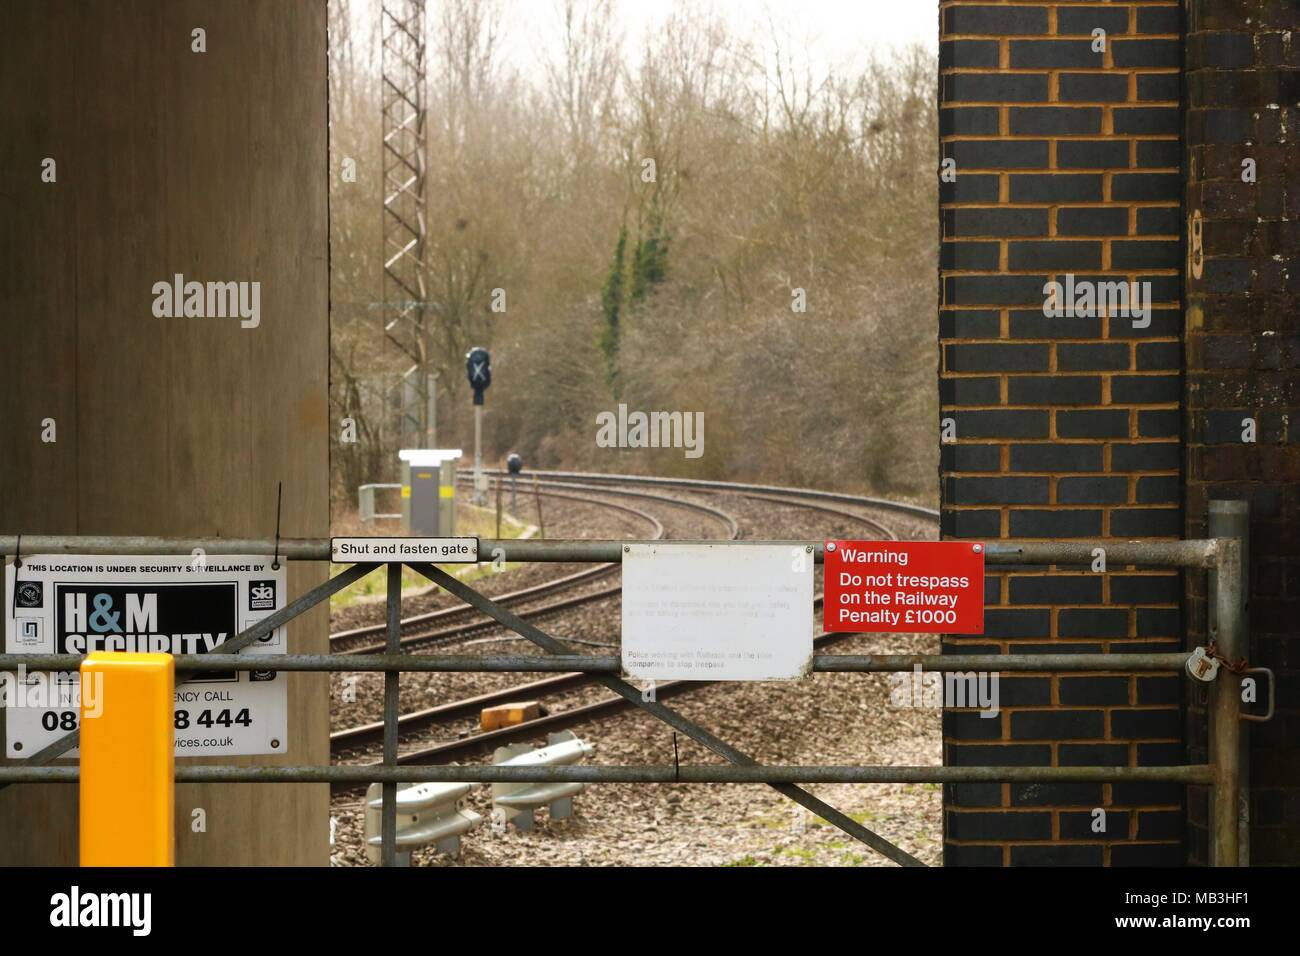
(429, 491)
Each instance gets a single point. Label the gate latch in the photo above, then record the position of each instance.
(1201, 666)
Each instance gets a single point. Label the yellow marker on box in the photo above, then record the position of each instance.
(127, 760)
(509, 715)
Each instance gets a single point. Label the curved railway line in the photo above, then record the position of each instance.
(359, 737)
(339, 641)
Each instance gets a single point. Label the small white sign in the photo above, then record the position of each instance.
(726, 611)
(79, 603)
(436, 550)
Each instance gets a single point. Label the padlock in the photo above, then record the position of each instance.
(1202, 666)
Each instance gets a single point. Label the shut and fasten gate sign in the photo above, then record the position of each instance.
(904, 586)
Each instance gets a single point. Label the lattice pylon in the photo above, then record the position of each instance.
(404, 229)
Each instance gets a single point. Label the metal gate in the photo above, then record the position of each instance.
(1220, 557)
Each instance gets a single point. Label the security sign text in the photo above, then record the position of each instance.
(80, 604)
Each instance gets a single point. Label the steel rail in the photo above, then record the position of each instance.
(729, 520)
(514, 597)
(790, 499)
(450, 633)
(673, 719)
(364, 734)
(407, 722)
(318, 549)
(418, 720)
(447, 634)
(1223, 555)
(707, 485)
(476, 744)
(415, 721)
(889, 533)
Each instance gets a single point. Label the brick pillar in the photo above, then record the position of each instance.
(1067, 161)
(1243, 366)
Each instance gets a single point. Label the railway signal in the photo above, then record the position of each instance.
(478, 369)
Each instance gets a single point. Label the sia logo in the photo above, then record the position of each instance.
(261, 595)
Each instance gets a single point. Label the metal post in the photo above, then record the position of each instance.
(478, 455)
(498, 482)
(388, 823)
(432, 431)
(1228, 584)
(514, 505)
(127, 760)
(541, 525)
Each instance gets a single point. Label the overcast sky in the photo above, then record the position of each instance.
(833, 32)
(841, 27)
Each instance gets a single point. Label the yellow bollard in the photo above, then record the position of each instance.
(127, 760)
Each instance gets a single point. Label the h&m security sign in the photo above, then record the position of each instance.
(932, 587)
(76, 604)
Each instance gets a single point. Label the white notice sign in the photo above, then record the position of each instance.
(384, 550)
(78, 603)
(721, 611)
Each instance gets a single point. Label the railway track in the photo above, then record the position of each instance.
(344, 641)
(350, 739)
(514, 599)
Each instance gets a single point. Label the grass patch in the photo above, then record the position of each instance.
(862, 816)
(800, 853)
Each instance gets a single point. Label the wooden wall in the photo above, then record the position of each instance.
(209, 164)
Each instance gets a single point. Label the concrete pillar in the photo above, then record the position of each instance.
(210, 164)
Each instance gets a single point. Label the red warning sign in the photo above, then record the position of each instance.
(904, 586)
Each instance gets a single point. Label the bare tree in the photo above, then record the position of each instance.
(768, 175)
(581, 79)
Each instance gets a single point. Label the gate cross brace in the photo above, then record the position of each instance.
(675, 720)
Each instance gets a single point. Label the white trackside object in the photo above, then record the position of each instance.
(426, 813)
(516, 802)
